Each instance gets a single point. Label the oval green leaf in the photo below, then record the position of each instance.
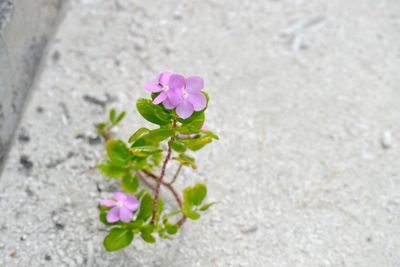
(146, 208)
(130, 183)
(177, 146)
(152, 113)
(117, 239)
(140, 132)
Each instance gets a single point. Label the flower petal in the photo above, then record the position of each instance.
(183, 136)
(131, 203)
(164, 77)
(167, 104)
(198, 100)
(113, 215)
(153, 87)
(119, 196)
(194, 84)
(176, 81)
(175, 96)
(125, 214)
(160, 98)
(108, 203)
(184, 109)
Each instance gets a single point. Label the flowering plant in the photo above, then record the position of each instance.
(177, 108)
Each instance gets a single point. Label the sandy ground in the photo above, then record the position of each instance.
(306, 100)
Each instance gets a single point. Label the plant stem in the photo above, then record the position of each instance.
(145, 181)
(174, 193)
(176, 174)
(158, 185)
(160, 179)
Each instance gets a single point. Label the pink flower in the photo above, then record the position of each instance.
(123, 207)
(193, 99)
(168, 85)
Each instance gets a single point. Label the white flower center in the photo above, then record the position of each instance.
(165, 87)
(120, 204)
(185, 94)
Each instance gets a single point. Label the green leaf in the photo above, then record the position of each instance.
(117, 239)
(194, 116)
(147, 229)
(138, 134)
(139, 164)
(120, 117)
(188, 205)
(101, 126)
(112, 115)
(160, 207)
(193, 196)
(186, 160)
(165, 217)
(152, 113)
(141, 193)
(117, 151)
(135, 224)
(160, 134)
(171, 228)
(195, 144)
(156, 158)
(193, 126)
(146, 208)
(206, 206)
(148, 238)
(102, 217)
(144, 151)
(207, 97)
(210, 134)
(130, 183)
(191, 214)
(113, 171)
(198, 193)
(177, 146)
(153, 137)
(162, 234)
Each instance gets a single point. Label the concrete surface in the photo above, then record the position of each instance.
(305, 97)
(25, 28)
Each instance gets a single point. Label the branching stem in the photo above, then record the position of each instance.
(149, 185)
(172, 190)
(160, 179)
(176, 174)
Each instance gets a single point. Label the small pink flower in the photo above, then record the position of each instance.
(193, 99)
(123, 207)
(168, 85)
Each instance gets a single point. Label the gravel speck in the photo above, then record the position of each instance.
(26, 162)
(386, 140)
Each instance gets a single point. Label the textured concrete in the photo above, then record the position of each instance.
(25, 27)
(305, 96)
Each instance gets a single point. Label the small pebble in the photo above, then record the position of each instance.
(250, 229)
(25, 162)
(59, 226)
(39, 109)
(23, 137)
(386, 140)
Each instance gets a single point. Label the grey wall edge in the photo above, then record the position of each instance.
(25, 28)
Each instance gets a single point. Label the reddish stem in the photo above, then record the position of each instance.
(176, 174)
(174, 193)
(160, 179)
(145, 181)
